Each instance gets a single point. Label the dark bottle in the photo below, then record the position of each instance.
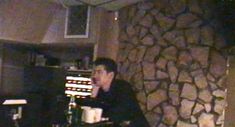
(74, 113)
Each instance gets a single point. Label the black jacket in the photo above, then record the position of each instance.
(120, 104)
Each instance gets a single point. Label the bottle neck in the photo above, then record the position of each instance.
(72, 102)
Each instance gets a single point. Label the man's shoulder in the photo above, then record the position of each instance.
(122, 85)
(121, 82)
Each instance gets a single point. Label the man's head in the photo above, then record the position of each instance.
(104, 72)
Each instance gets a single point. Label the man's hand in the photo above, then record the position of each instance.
(95, 90)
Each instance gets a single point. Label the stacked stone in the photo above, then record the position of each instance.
(170, 52)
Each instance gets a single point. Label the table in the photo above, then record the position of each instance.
(83, 124)
(99, 124)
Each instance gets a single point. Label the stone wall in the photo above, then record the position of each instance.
(170, 50)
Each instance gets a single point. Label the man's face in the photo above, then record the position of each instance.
(101, 77)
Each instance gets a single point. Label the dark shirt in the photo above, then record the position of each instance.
(119, 104)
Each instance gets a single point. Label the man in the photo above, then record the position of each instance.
(116, 97)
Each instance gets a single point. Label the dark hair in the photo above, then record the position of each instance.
(109, 64)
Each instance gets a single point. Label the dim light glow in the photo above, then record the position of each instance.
(14, 102)
(77, 93)
(78, 78)
(116, 15)
(78, 85)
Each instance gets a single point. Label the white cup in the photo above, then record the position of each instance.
(98, 114)
(85, 107)
(84, 112)
(89, 115)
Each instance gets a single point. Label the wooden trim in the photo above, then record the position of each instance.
(1, 67)
(230, 110)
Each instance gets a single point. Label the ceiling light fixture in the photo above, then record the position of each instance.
(116, 15)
